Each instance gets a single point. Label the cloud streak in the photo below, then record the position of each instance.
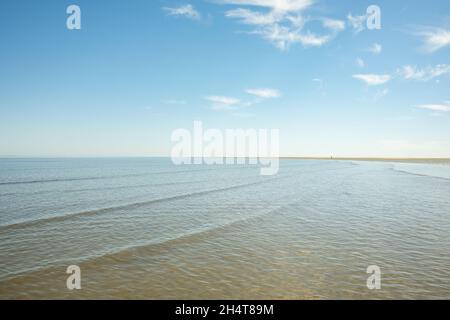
(186, 11)
(279, 6)
(223, 102)
(434, 38)
(264, 93)
(373, 79)
(426, 74)
(281, 22)
(435, 107)
(357, 22)
(333, 24)
(231, 103)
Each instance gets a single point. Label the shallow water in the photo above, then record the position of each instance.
(144, 228)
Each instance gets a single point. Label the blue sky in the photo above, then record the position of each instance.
(137, 70)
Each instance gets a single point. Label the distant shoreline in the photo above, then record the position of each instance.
(402, 160)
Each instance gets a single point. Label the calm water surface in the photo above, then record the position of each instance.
(144, 228)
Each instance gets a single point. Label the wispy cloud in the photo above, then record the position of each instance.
(413, 73)
(435, 107)
(264, 93)
(252, 17)
(223, 102)
(357, 22)
(231, 103)
(376, 48)
(406, 72)
(275, 5)
(333, 24)
(434, 38)
(281, 22)
(373, 79)
(186, 11)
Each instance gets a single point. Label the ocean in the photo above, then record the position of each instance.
(143, 228)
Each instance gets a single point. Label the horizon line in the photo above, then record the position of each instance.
(246, 157)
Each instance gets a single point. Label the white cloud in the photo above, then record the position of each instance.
(223, 103)
(297, 21)
(234, 104)
(435, 107)
(426, 74)
(310, 39)
(251, 17)
(434, 38)
(406, 72)
(187, 11)
(373, 79)
(275, 5)
(223, 100)
(332, 24)
(264, 93)
(357, 22)
(376, 48)
(282, 37)
(281, 22)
